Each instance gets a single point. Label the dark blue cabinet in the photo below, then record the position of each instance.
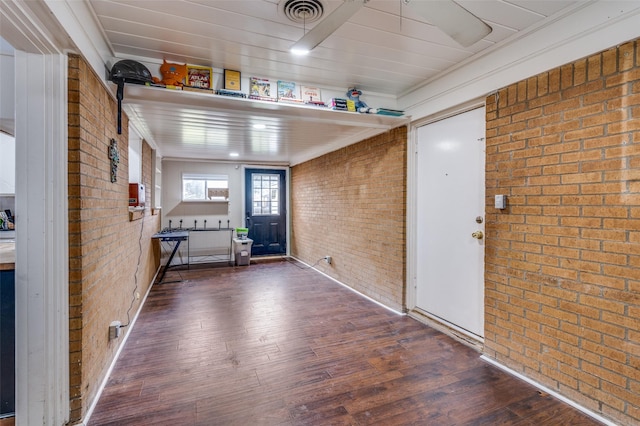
(7, 342)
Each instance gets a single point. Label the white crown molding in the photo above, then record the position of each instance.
(80, 23)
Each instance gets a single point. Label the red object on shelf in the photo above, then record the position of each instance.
(136, 195)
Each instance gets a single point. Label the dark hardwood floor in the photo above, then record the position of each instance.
(274, 344)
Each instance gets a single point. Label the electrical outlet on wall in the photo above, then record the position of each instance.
(114, 330)
(328, 259)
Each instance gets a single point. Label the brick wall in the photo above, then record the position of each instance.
(350, 204)
(104, 246)
(562, 262)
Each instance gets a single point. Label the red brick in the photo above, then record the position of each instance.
(584, 133)
(624, 151)
(543, 84)
(609, 62)
(583, 289)
(626, 56)
(580, 71)
(561, 169)
(323, 179)
(549, 139)
(580, 90)
(605, 95)
(100, 234)
(608, 141)
(594, 65)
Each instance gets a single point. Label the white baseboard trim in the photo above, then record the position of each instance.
(549, 391)
(87, 417)
(350, 288)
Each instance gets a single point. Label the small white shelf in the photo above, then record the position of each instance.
(204, 201)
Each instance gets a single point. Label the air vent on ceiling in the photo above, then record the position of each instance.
(303, 11)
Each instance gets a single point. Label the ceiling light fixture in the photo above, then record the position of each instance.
(259, 126)
(301, 50)
(234, 154)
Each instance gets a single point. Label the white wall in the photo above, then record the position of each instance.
(7, 164)
(135, 156)
(174, 209)
(7, 91)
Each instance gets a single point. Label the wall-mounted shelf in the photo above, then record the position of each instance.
(136, 214)
(243, 105)
(204, 201)
(180, 121)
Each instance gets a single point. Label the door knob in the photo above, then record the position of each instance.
(478, 235)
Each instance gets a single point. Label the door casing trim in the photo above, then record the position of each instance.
(412, 194)
(287, 183)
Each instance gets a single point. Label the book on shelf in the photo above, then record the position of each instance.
(199, 77)
(197, 89)
(231, 80)
(288, 92)
(260, 89)
(310, 95)
(231, 93)
(338, 104)
(389, 111)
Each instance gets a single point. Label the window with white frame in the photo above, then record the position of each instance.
(205, 187)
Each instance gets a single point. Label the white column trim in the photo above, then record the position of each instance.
(42, 261)
(42, 285)
(411, 219)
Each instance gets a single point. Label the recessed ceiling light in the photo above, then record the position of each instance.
(234, 154)
(259, 126)
(299, 52)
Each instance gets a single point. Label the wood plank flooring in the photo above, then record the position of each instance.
(275, 344)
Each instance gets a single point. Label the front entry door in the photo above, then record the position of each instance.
(450, 212)
(266, 211)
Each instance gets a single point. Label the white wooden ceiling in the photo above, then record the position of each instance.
(385, 50)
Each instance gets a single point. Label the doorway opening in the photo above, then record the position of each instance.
(450, 213)
(266, 211)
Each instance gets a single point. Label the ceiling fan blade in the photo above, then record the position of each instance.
(328, 25)
(453, 19)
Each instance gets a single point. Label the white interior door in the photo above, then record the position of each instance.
(450, 208)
